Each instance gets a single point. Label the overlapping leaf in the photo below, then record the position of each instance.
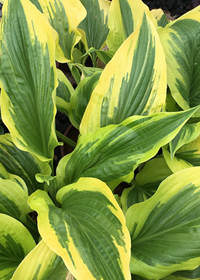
(185, 275)
(28, 76)
(89, 231)
(64, 17)
(13, 200)
(187, 134)
(181, 43)
(113, 152)
(15, 243)
(42, 264)
(165, 229)
(145, 182)
(94, 27)
(22, 164)
(187, 156)
(64, 91)
(123, 19)
(160, 16)
(133, 82)
(81, 97)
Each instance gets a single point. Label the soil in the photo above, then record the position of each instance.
(174, 8)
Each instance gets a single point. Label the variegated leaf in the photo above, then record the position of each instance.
(81, 97)
(187, 134)
(123, 19)
(133, 83)
(165, 229)
(145, 182)
(185, 275)
(15, 243)
(160, 16)
(113, 152)
(89, 231)
(28, 76)
(94, 27)
(181, 43)
(64, 16)
(22, 164)
(64, 91)
(13, 200)
(187, 156)
(42, 264)
(175, 164)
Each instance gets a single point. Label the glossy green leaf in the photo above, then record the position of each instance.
(181, 43)
(81, 97)
(89, 231)
(160, 16)
(22, 164)
(145, 182)
(123, 19)
(113, 152)
(133, 83)
(15, 243)
(64, 16)
(41, 264)
(13, 200)
(28, 76)
(165, 229)
(94, 27)
(187, 134)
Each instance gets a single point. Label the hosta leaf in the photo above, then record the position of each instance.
(81, 97)
(64, 91)
(113, 152)
(89, 231)
(145, 182)
(132, 195)
(123, 19)
(13, 200)
(64, 17)
(190, 152)
(154, 170)
(86, 71)
(175, 163)
(15, 243)
(5, 175)
(181, 43)
(28, 76)
(165, 229)
(188, 133)
(187, 156)
(22, 164)
(42, 264)
(104, 55)
(160, 16)
(52, 185)
(133, 82)
(94, 27)
(185, 275)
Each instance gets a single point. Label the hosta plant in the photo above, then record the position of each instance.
(125, 203)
